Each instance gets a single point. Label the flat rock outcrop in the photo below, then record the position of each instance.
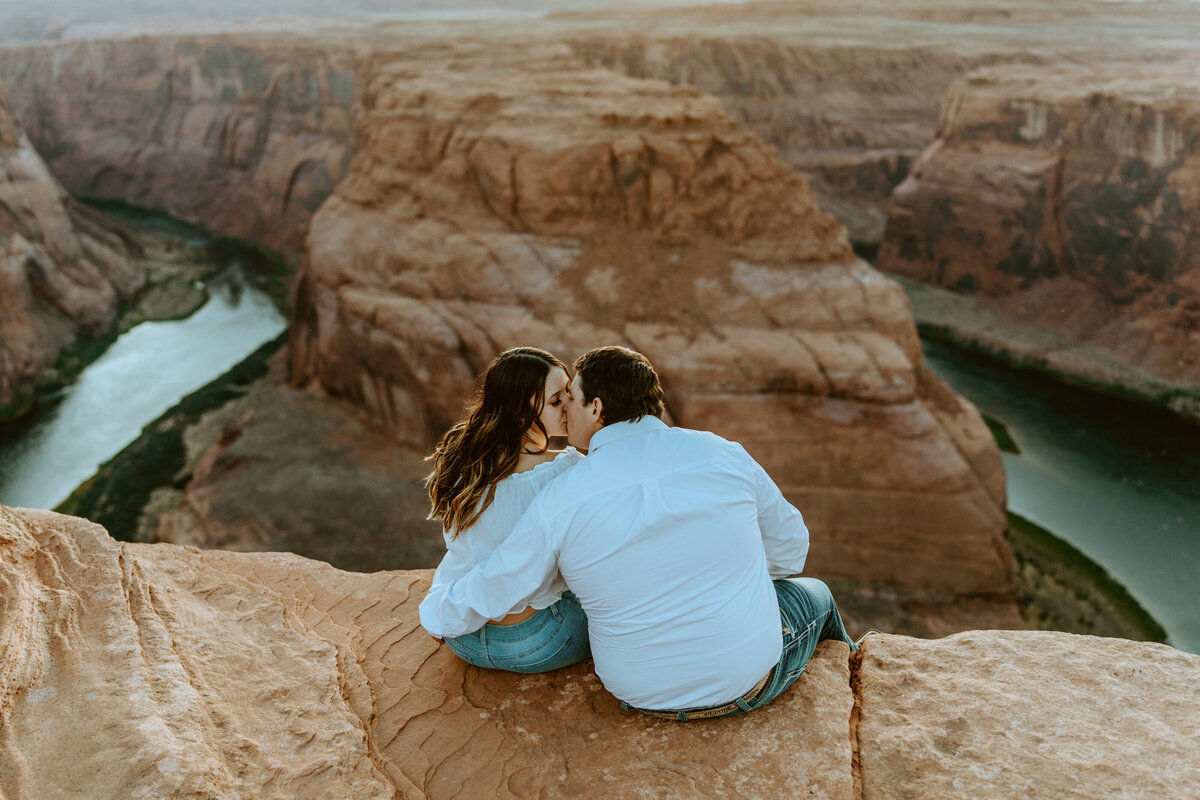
(63, 273)
(1066, 198)
(505, 196)
(998, 714)
(134, 670)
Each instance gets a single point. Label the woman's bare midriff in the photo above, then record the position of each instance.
(514, 618)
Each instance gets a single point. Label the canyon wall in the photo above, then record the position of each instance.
(849, 91)
(246, 131)
(156, 670)
(849, 118)
(512, 195)
(246, 136)
(499, 189)
(1067, 198)
(63, 271)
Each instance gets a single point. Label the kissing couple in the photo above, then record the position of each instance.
(668, 555)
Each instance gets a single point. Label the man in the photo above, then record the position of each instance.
(670, 538)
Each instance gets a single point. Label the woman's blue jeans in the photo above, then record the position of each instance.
(809, 615)
(554, 637)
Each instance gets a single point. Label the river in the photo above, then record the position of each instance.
(1119, 480)
(144, 372)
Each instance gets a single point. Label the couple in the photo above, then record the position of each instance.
(664, 553)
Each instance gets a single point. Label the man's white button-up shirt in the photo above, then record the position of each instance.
(670, 538)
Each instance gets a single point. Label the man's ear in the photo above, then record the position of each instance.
(598, 410)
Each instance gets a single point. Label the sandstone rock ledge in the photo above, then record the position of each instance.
(141, 671)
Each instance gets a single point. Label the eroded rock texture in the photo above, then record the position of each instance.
(1069, 197)
(138, 671)
(176, 672)
(848, 90)
(63, 273)
(996, 714)
(505, 196)
(246, 136)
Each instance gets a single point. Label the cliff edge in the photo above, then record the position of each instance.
(63, 273)
(1064, 202)
(132, 670)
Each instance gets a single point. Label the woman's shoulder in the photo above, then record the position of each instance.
(549, 464)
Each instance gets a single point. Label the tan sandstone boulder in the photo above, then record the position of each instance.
(157, 670)
(1067, 199)
(132, 670)
(991, 714)
(62, 272)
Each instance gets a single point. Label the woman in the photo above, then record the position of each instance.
(486, 471)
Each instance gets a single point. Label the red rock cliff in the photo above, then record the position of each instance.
(848, 90)
(1069, 198)
(62, 273)
(504, 192)
(247, 132)
(244, 135)
(507, 196)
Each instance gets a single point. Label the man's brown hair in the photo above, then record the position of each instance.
(624, 381)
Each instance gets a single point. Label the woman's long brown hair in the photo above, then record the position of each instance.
(486, 444)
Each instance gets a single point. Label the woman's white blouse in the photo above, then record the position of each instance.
(513, 496)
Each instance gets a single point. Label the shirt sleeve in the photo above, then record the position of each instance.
(784, 534)
(522, 567)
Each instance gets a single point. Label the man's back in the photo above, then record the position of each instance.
(660, 532)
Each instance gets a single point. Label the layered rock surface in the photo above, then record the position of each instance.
(245, 136)
(849, 91)
(1067, 199)
(63, 273)
(157, 670)
(514, 196)
(260, 115)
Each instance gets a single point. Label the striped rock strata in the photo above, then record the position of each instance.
(139, 671)
(1067, 199)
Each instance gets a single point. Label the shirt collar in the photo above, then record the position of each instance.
(622, 430)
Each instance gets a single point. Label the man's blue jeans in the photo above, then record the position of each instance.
(554, 637)
(809, 615)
